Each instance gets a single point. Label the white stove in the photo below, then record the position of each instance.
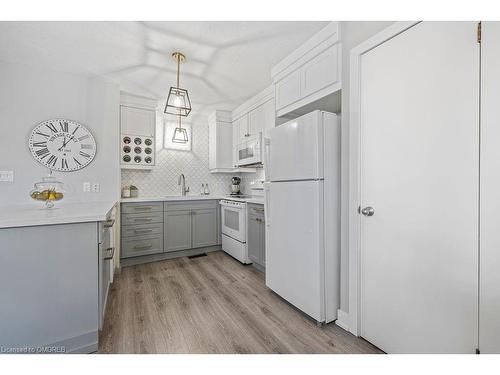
(234, 229)
(234, 221)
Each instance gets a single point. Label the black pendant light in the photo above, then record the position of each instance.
(180, 134)
(178, 102)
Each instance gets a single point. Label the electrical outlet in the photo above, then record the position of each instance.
(95, 187)
(86, 187)
(7, 176)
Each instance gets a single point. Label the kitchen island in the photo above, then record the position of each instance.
(53, 285)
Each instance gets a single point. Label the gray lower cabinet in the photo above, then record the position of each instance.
(256, 235)
(190, 225)
(141, 245)
(142, 229)
(106, 253)
(177, 230)
(204, 227)
(155, 227)
(49, 287)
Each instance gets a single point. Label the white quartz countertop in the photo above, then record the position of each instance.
(64, 213)
(170, 198)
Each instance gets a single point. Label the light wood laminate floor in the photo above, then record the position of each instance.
(210, 304)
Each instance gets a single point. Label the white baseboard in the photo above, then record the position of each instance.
(342, 320)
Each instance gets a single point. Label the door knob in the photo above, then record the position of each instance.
(368, 211)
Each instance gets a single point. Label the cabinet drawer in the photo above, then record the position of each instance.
(193, 205)
(142, 218)
(134, 208)
(255, 209)
(142, 230)
(132, 247)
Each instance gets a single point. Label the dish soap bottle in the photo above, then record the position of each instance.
(207, 191)
(202, 190)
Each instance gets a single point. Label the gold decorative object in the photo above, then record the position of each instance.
(49, 190)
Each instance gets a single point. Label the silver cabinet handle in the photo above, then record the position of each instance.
(143, 208)
(108, 256)
(138, 231)
(368, 211)
(258, 209)
(145, 219)
(136, 247)
(109, 223)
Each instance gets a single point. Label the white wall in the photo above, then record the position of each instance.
(30, 95)
(352, 34)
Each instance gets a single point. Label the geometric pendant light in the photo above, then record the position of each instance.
(178, 102)
(180, 134)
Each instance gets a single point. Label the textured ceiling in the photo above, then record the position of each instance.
(227, 62)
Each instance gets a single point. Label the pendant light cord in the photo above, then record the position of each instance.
(178, 69)
(178, 84)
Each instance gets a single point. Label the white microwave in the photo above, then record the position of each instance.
(249, 152)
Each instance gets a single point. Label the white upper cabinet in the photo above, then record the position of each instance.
(320, 72)
(220, 141)
(137, 132)
(243, 128)
(269, 115)
(261, 118)
(288, 90)
(255, 115)
(310, 73)
(137, 121)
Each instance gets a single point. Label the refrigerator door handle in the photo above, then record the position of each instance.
(267, 158)
(267, 210)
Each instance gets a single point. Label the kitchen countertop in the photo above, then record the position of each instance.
(170, 198)
(65, 213)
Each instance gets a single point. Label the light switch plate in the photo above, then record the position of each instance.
(86, 187)
(7, 176)
(95, 187)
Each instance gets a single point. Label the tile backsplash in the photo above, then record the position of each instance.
(247, 178)
(162, 179)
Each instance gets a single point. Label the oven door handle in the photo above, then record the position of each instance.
(233, 207)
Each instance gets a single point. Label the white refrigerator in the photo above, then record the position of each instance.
(302, 208)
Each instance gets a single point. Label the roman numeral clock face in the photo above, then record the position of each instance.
(62, 145)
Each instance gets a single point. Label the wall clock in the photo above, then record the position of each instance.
(62, 145)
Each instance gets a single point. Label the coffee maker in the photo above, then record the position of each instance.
(235, 186)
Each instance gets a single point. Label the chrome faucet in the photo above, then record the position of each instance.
(182, 183)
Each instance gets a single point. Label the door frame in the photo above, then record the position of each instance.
(355, 150)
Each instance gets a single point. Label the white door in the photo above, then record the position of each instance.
(294, 244)
(420, 173)
(295, 149)
(489, 327)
